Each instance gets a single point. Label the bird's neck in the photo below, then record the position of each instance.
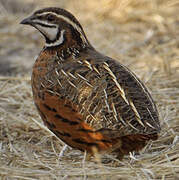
(68, 49)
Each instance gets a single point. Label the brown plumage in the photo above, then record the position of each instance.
(87, 99)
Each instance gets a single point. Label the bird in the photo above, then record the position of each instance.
(90, 101)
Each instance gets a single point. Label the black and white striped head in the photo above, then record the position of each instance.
(58, 26)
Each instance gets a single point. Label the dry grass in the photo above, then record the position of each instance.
(142, 34)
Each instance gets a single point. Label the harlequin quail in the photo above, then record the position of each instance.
(87, 99)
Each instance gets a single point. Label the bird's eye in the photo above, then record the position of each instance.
(50, 17)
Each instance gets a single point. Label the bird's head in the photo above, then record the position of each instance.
(58, 26)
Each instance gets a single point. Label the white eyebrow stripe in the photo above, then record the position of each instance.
(44, 22)
(77, 27)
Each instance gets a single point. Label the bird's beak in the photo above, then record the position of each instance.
(28, 20)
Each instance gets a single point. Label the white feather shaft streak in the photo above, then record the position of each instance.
(116, 115)
(88, 64)
(152, 119)
(116, 82)
(136, 113)
(114, 112)
(70, 74)
(80, 76)
(63, 72)
(57, 73)
(132, 126)
(72, 84)
(59, 82)
(142, 86)
(96, 70)
(105, 94)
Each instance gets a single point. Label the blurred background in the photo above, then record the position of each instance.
(143, 29)
(141, 34)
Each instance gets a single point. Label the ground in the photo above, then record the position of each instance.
(143, 35)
